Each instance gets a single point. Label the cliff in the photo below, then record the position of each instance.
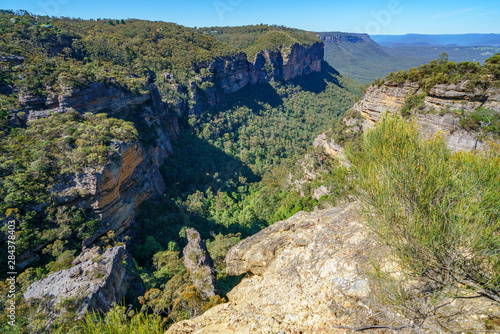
(307, 274)
(362, 59)
(114, 191)
(226, 75)
(342, 37)
(435, 109)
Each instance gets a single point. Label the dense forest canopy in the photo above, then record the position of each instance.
(251, 39)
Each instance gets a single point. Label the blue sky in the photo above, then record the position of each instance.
(373, 17)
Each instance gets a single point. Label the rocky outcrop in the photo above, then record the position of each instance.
(95, 282)
(114, 192)
(330, 147)
(307, 274)
(435, 114)
(198, 262)
(98, 97)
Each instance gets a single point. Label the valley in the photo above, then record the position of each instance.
(170, 179)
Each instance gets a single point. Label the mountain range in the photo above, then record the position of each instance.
(366, 58)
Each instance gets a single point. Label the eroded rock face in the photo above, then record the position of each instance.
(331, 148)
(307, 275)
(115, 190)
(435, 116)
(198, 262)
(233, 73)
(95, 282)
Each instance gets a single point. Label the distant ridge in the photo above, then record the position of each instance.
(362, 59)
(365, 58)
(448, 40)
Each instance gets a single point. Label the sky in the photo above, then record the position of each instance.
(391, 17)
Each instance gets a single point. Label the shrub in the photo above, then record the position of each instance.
(118, 321)
(436, 210)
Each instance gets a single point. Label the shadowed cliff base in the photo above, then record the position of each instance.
(317, 82)
(195, 168)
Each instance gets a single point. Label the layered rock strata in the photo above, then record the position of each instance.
(436, 114)
(229, 74)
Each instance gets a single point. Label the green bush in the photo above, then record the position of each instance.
(437, 211)
(118, 321)
(442, 71)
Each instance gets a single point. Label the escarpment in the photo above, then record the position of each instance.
(434, 109)
(225, 75)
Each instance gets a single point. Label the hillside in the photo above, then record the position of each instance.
(363, 59)
(360, 58)
(118, 134)
(251, 39)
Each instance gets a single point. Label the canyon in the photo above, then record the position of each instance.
(114, 191)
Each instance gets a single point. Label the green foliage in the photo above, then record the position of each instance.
(436, 210)
(119, 321)
(74, 52)
(485, 120)
(442, 71)
(62, 262)
(145, 252)
(218, 248)
(262, 131)
(413, 102)
(254, 38)
(45, 155)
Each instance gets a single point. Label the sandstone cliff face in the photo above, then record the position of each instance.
(232, 73)
(307, 275)
(331, 148)
(95, 282)
(115, 190)
(435, 115)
